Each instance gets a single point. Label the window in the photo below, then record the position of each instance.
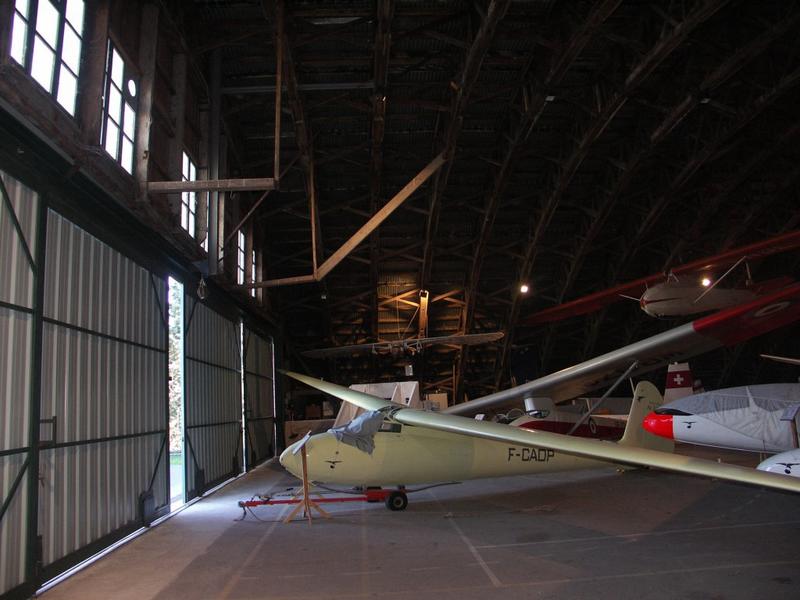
(46, 42)
(253, 274)
(240, 258)
(119, 109)
(189, 199)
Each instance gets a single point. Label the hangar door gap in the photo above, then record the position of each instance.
(177, 471)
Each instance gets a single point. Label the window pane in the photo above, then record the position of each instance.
(191, 224)
(47, 22)
(115, 105)
(18, 40)
(129, 124)
(184, 212)
(116, 68)
(71, 51)
(43, 63)
(75, 14)
(127, 155)
(185, 167)
(112, 138)
(22, 7)
(67, 88)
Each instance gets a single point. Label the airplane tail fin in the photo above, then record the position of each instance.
(646, 398)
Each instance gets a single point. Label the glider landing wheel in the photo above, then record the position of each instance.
(397, 501)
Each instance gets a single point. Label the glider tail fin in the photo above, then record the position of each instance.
(646, 398)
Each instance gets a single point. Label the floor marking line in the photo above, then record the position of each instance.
(489, 573)
(389, 593)
(640, 534)
(474, 551)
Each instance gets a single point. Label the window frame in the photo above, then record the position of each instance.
(188, 199)
(126, 100)
(32, 34)
(240, 257)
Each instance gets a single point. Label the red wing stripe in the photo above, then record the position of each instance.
(743, 322)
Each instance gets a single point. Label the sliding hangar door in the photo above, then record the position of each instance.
(84, 393)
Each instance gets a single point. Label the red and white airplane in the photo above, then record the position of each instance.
(756, 418)
(725, 328)
(542, 414)
(687, 290)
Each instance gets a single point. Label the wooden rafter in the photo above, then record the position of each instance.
(463, 86)
(660, 51)
(624, 176)
(531, 113)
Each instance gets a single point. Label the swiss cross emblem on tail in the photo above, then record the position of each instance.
(680, 382)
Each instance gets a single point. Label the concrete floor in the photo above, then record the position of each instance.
(593, 535)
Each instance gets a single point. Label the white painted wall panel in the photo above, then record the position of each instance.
(103, 376)
(16, 277)
(90, 285)
(13, 527)
(16, 347)
(259, 397)
(213, 400)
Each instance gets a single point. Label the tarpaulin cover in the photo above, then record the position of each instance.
(360, 432)
(753, 410)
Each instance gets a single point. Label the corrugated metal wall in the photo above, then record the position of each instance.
(259, 388)
(212, 396)
(16, 352)
(104, 381)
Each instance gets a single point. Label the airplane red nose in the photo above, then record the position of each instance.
(660, 425)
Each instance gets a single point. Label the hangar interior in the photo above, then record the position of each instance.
(196, 193)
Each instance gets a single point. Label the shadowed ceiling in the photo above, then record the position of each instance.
(586, 144)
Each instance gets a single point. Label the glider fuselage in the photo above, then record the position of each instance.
(417, 455)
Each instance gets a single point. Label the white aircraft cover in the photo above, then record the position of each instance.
(753, 410)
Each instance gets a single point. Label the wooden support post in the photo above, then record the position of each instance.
(306, 503)
(423, 313)
(148, 40)
(90, 83)
(6, 21)
(177, 114)
(212, 143)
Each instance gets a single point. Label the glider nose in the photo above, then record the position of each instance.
(660, 425)
(290, 460)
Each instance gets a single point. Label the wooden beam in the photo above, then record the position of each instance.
(282, 281)
(379, 217)
(423, 313)
(90, 83)
(148, 41)
(246, 217)
(211, 185)
(177, 113)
